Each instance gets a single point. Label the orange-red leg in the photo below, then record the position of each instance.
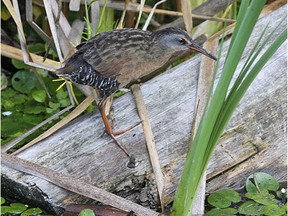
(108, 127)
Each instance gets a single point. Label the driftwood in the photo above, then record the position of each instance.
(254, 140)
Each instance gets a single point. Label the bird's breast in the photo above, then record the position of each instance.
(141, 64)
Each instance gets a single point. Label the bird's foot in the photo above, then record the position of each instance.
(112, 134)
(132, 160)
(126, 130)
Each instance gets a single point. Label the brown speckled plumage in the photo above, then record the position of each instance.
(113, 59)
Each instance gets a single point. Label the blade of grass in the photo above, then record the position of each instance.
(241, 14)
(87, 21)
(216, 132)
(230, 106)
(195, 166)
(239, 93)
(234, 99)
(232, 60)
(253, 55)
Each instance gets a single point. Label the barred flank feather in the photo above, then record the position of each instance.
(82, 73)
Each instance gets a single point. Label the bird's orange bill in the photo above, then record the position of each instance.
(199, 49)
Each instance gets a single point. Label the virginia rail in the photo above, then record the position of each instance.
(113, 59)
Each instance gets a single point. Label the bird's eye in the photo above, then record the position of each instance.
(182, 41)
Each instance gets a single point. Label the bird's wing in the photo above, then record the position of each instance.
(105, 57)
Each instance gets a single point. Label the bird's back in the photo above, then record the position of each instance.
(114, 58)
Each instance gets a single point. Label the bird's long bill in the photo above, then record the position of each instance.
(199, 49)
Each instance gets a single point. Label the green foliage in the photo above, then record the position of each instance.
(251, 208)
(86, 212)
(20, 64)
(221, 212)
(5, 15)
(261, 182)
(106, 21)
(223, 198)
(18, 209)
(31, 211)
(24, 81)
(3, 201)
(224, 100)
(25, 104)
(13, 208)
(265, 198)
(39, 95)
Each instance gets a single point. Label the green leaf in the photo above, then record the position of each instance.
(264, 197)
(5, 15)
(20, 64)
(61, 94)
(13, 124)
(275, 210)
(54, 106)
(64, 102)
(18, 207)
(5, 209)
(260, 181)
(236, 95)
(34, 109)
(221, 212)
(251, 208)
(14, 208)
(2, 200)
(32, 119)
(31, 211)
(86, 212)
(8, 93)
(37, 48)
(49, 110)
(39, 95)
(18, 99)
(23, 81)
(223, 198)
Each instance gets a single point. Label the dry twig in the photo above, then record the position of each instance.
(150, 142)
(15, 53)
(140, 13)
(187, 15)
(151, 14)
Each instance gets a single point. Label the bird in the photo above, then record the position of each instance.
(113, 59)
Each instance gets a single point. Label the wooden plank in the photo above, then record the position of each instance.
(254, 140)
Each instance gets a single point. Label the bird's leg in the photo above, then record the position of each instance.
(111, 117)
(108, 127)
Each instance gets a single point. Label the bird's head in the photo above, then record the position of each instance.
(177, 40)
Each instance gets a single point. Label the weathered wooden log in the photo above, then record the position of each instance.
(254, 140)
